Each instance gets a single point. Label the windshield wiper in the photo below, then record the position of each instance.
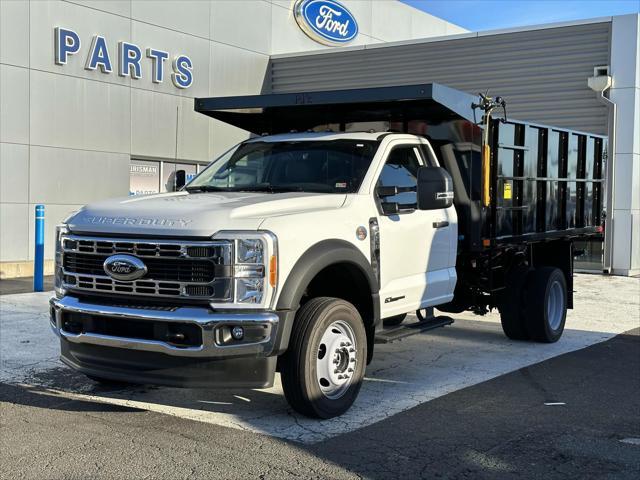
(271, 188)
(206, 188)
(248, 188)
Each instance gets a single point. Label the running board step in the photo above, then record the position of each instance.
(389, 335)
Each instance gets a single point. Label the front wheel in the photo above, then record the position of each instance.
(323, 368)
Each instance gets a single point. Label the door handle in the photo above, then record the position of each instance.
(441, 224)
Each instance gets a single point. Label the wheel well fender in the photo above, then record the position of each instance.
(326, 258)
(313, 261)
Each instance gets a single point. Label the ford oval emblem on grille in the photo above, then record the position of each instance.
(124, 267)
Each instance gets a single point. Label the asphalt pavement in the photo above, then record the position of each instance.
(574, 416)
(457, 402)
(12, 286)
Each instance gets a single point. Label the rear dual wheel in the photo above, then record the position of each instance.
(546, 304)
(323, 368)
(535, 304)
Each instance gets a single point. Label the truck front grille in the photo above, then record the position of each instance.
(183, 270)
(193, 270)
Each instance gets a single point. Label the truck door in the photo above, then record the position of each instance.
(415, 245)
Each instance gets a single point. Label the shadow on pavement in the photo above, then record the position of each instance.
(500, 428)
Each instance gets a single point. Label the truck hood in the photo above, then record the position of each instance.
(194, 214)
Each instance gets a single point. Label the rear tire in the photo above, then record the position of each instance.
(323, 368)
(394, 321)
(546, 304)
(511, 308)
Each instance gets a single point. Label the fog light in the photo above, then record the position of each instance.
(237, 333)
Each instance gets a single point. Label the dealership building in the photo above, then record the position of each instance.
(96, 97)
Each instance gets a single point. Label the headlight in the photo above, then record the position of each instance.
(57, 281)
(255, 269)
(250, 251)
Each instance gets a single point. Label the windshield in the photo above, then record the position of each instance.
(328, 166)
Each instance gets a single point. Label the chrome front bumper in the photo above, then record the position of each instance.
(206, 319)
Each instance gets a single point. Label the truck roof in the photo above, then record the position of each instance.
(325, 136)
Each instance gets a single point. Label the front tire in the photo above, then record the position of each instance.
(323, 368)
(546, 304)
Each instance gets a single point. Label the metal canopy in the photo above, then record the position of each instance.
(280, 113)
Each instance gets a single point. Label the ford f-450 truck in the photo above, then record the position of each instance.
(296, 250)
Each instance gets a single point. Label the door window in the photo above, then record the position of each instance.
(401, 170)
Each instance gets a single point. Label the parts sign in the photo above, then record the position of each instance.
(129, 61)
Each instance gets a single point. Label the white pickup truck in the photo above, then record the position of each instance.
(292, 251)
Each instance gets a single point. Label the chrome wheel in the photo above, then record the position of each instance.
(555, 305)
(336, 360)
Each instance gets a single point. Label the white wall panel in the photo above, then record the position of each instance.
(153, 123)
(86, 22)
(14, 173)
(14, 32)
(188, 16)
(63, 176)
(285, 34)
(628, 125)
(14, 229)
(75, 113)
(235, 71)
(283, 3)
(627, 191)
(14, 104)
(193, 133)
(223, 136)
(635, 240)
(622, 247)
(255, 31)
(119, 7)
(625, 69)
(390, 21)
(625, 37)
(175, 43)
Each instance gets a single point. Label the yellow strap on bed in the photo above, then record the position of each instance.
(486, 155)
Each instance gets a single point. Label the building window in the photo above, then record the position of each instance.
(169, 173)
(589, 256)
(144, 177)
(147, 177)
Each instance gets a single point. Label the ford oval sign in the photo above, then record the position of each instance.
(124, 267)
(326, 21)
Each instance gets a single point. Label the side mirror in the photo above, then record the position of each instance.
(435, 188)
(180, 180)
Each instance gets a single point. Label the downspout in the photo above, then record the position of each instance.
(601, 82)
